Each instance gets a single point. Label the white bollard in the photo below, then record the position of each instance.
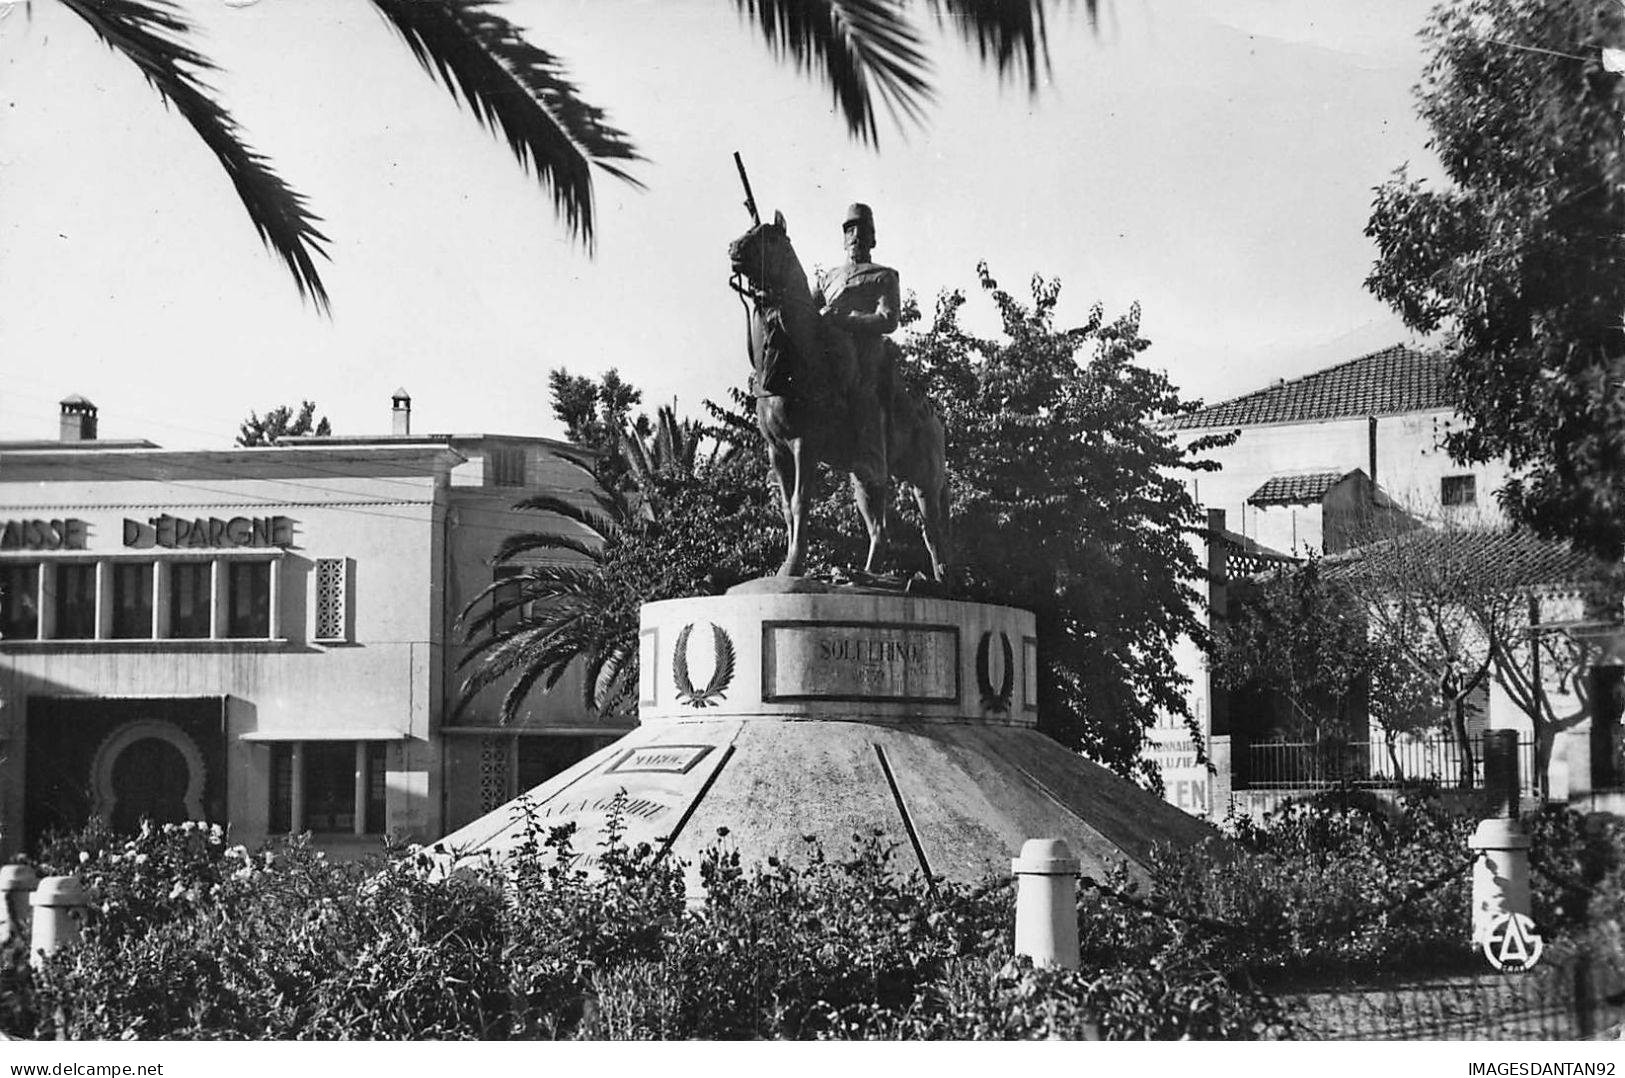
(1047, 903)
(1500, 874)
(17, 883)
(59, 912)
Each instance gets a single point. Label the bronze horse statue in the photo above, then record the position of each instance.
(817, 400)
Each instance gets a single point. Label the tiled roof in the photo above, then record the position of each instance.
(1304, 488)
(1498, 558)
(1390, 382)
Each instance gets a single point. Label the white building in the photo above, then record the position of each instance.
(1319, 465)
(262, 637)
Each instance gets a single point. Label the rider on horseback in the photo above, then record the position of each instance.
(861, 298)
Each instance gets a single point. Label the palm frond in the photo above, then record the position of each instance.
(517, 692)
(514, 87)
(605, 664)
(1009, 33)
(860, 48)
(605, 522)
(150, 34)
(532, 542)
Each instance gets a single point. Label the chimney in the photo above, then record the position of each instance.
(78, 419)
(401, 410)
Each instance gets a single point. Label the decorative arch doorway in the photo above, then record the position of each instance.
(148, 770)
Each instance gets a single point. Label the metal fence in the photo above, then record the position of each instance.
(1321, 765)
(1581, 998)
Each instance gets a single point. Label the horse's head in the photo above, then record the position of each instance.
(764, 257)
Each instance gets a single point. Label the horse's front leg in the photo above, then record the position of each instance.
(790, 468)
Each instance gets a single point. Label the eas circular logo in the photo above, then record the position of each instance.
(1512, 944)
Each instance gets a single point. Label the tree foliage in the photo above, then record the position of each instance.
(1069, 500)
(861, 49)
(1516, 259)
(1305, 639)
(282, 422)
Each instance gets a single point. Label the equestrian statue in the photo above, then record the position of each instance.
(829, 387)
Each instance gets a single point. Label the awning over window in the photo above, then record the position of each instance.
(331, 733)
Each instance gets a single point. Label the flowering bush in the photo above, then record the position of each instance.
(192, 937)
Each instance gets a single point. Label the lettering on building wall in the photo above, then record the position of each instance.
(64, 534)
(180, 532)
(1185, 781)
(809, 661)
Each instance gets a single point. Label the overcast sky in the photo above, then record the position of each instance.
(1211, 159)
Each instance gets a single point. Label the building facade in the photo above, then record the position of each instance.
(262, 637)
(1318, 465)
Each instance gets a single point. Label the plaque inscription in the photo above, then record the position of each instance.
(824, 660)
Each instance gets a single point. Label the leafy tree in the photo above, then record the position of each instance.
(1465, 604)
(596, 416)
(281, 422)
(1306, 639)
(1069, 500)
(861, 49)
(1516, 260)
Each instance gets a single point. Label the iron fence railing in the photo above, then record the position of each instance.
(1319, 765)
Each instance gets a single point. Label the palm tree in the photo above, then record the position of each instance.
(534, 626)
(664, 534)
(861, 49)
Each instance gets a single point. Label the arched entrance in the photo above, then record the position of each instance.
(148, 770)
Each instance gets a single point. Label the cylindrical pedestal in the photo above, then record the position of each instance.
(1047, 903)
(59, 912)
(1501, 873)
(17, 883)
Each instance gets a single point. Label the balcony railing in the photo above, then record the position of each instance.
(1320, 765)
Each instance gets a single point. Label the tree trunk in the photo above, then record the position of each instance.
(1458, 726)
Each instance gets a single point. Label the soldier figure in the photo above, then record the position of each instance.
(861, 298)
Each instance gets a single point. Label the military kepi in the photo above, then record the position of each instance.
(859, 212)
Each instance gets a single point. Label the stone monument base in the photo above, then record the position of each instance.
(782, 715)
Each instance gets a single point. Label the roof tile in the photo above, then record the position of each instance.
(1303, 488)
(1392, 381)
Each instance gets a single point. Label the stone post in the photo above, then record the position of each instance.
(1500, 874)
(1047, 903)
(1501, 845)
(59, 912)
(1501, 773)
(17, 883)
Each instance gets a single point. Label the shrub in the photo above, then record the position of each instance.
(194, 938)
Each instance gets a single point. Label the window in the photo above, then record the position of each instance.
(507, 467)
(507, 592)
(332, 600)
(191, 599)
(75, 601)
(248, 599)
(330, 781)
(19, 601)
(132, 600)
(1458, 490)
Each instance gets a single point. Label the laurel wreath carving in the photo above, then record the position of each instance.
(995, 699)
(721, 677)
